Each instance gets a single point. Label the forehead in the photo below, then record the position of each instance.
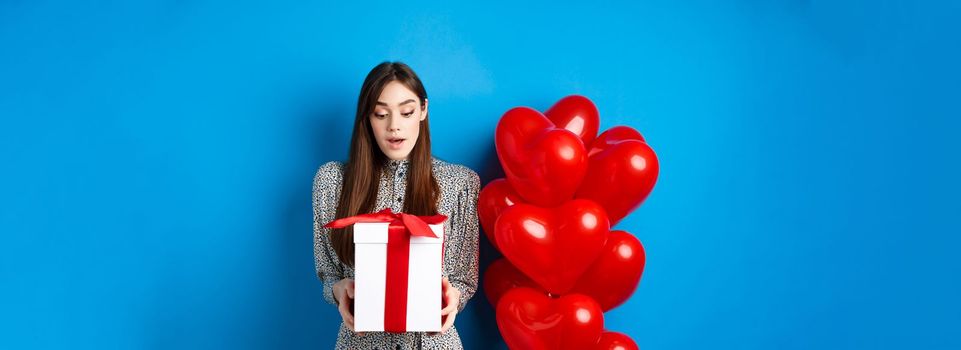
(395, 93)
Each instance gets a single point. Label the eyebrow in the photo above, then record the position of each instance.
(399, 104)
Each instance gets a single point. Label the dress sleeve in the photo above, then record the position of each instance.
(328, 266)
(464, 272)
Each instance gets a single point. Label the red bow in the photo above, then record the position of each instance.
(416, 225)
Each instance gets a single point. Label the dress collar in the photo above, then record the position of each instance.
(394, 164)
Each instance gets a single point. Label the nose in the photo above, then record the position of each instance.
(394, 124)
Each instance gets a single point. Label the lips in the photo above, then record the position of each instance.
(395, 143)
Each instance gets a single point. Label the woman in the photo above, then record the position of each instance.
(389, 165)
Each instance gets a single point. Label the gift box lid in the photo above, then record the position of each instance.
(376, 233)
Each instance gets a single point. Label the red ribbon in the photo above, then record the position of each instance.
(417, 225)
(401, 227)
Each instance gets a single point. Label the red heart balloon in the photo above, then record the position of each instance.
(577, 114)
(543, 163)
(528, 319)
(621, 173)
(614, 276)
(553, 246)
(501, 277)
(493, 199)
(611, 137)
(615, 341)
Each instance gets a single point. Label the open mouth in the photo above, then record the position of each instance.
(395, 143)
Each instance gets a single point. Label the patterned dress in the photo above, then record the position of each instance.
(459, 188)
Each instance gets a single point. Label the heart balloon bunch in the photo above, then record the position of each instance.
(551, 218)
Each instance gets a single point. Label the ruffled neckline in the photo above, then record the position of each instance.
(394, 163)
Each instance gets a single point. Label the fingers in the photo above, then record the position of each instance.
(348, 318)
(451, 307)
(451, 300)
(341, 297)
(344, 299)
(448, 322)
(343, 302)
(349, 321)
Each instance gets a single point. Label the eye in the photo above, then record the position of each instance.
(380, 116)
(408, 114)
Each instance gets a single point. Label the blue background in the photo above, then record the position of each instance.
(157, 160)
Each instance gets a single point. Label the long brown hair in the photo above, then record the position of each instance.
(365, 160)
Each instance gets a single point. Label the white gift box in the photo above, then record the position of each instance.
(423, 281)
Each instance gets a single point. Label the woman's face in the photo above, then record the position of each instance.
(396, 120)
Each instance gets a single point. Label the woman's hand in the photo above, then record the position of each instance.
(451, 302)
(344, 294)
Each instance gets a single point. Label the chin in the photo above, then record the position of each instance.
(399, 154)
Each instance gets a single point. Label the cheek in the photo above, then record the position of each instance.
(413, 122)
(377, 128)
(414, 126)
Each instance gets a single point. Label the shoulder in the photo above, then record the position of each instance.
(329, 174)
(456, 174)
